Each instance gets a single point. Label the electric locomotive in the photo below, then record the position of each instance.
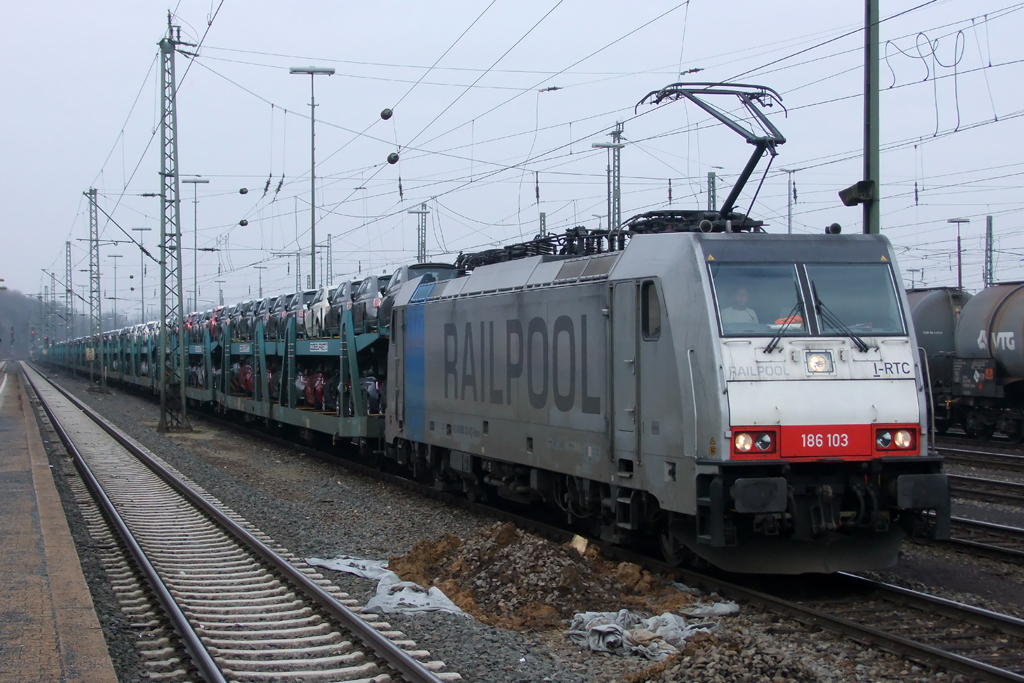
(752, 399)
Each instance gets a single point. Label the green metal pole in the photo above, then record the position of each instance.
(872, 223)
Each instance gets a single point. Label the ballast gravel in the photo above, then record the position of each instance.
(318, 508)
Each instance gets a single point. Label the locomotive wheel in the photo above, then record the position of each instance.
(675, 553)
(941, 426)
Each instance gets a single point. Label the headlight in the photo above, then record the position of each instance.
(763, 442)
(818, 362)
(884, 439)
(903, 439)
(743, 442)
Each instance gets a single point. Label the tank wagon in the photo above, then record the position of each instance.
(974, 351)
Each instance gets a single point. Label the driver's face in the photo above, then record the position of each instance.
(739, 300)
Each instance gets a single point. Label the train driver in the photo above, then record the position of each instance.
(737, 311)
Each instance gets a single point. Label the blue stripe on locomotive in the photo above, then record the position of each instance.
(415, 364)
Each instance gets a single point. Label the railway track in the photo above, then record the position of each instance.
(995, 541)
(968, 640)
(937, 632)
(934, 631)
(239, 609)
(989, 490)
(995, 460)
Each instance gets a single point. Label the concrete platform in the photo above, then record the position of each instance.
(48, 626)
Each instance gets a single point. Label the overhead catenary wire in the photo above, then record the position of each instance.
(411, 183)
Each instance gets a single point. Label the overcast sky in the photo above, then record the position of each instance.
(479, 133)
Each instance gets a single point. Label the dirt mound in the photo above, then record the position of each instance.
(513, 579)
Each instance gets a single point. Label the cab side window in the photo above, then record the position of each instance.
(650, 310)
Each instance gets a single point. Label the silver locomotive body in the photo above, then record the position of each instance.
(779, 429)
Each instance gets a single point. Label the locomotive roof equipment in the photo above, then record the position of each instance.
(750, 96)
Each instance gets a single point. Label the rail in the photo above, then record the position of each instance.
(391, 654)
(989, 490)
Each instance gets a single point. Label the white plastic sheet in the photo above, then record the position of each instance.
(625, 632)
(713, 609)
(393, 595)
(367, 569)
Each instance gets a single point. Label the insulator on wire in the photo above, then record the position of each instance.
(393, 158)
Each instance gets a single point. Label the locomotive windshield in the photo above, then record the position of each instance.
(758, 300)
(859, 296)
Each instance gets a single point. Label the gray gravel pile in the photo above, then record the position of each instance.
(739, 658)
(765, 649)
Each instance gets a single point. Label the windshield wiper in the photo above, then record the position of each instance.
(777, 339)
(833, 321)
(774, 341)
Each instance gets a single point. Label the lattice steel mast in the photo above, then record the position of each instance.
(330, 265)
(69, 302)
(421, 232)
(95, 324)
(53, 308)
(173, 406)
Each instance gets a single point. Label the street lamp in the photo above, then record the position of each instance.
(312, 71)
(142, 273)
(959, 266)
(195, 233)
(614, 177)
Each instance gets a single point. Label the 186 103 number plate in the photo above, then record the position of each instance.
(817, 441)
